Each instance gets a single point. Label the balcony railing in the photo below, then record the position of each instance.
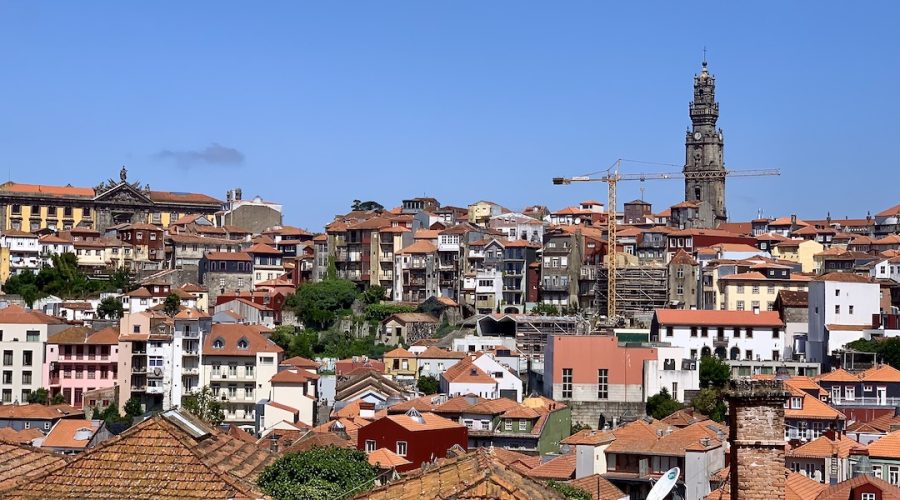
(235, 377)
(190, 371)
(139, 369)
(866, 401)
(555, 287)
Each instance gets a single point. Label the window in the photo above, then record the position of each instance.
(567, 383)
(704, 332)
(7, 358)
(740, 305)
(867, 496)
(837, 309)
(507, 425)
(894, 475)
(796, 403)
(370, 445)
(242, 343)
(748, 354)
(850, 309)
(749, 333)
(218, 344)
(837, 292)
(669, 331)
(26, 378)
(737, 332)
(770, 306)
(850, 392)
(776, 333)
(755, 290)
(810, 470)
(693, 331)
(32, 336)
(401, 448)
(523, 425)
(876, 471)
(795, 466)
(26, 358)
(740, 289)
(771, 289)
(603, 383)
(7, 377)
(679, 290)
(680, 272)
(155, 361)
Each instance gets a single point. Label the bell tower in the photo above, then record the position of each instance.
(704, 167)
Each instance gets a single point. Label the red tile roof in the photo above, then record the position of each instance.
(679, 317)
(384, 458)
(14, 314)
(231, 334)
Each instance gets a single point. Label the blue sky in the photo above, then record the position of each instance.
(315, 104)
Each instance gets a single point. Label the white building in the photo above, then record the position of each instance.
(24, 251)
(293, 398)
(841, 306)
(752, 335)
(673, 370)
(23, 337)
(478, 343)
(509, 385)
(517, 226)
(433, 361)
(886, 269)
(466, 378)
(238, 364)
(54, 245)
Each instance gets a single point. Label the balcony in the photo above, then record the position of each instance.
(354, 275)
(233, 377)
(139, 370)
(416, 282)
(190, 371)
(417, 264)
(155, 389)
(237, 398)
(190, 352)
(386, 276)
(867, 401)
(386, 257)
(341, 256)
(555, 287)
(720, 342)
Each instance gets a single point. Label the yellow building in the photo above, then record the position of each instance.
(801, 251)
(31, 207)
(481, 212)
(757, 290)
(401, 364)
(4, 264)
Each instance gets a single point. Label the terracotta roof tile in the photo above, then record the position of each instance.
(599, 487)
(154, 459)
(851, 487)
(560, 468)
(434, 352)
(231, 334)
(14, 314)
(679, 317)
(589, 437)
(63, 434)
(887, 446)
(477, 474)
(301, 362)
(22, 463)
(384, 458)
(430, 422)
(419, 247)
(826, 446)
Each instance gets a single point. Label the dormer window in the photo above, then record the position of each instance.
(218, 343)
(242, 343)
(796, 403)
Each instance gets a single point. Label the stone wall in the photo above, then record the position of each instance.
(588, 412)
(756, 427)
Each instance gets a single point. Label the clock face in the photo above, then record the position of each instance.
(697, 135)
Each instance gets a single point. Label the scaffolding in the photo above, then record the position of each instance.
(639, 289)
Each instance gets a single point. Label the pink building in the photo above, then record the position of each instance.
(594, 368)
(79, 360)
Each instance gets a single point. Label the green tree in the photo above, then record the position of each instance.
(283, 336)
(374, 294)
(886, 349)
(428, 385)
(320, 473)
(58, 399)
(205, 406)
(714, 372)
(172, 305)
(578, 426)
(132, 407)
(378, 312)
(96, 413)
(545, 310)
(569, 491)
(121, 279)
(319, 304)
(110, 307)
(39, 396)
(711, 402)
(661, 405)
(331, 269)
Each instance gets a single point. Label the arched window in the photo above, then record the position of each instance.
(242, 343)
(218, 343)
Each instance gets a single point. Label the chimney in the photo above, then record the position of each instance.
(756, 436)
(237, 194)
(793, 220)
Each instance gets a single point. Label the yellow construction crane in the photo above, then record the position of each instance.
(611, 178)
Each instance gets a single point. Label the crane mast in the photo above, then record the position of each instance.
(612, 178)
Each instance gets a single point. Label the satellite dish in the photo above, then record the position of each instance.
(664, 485)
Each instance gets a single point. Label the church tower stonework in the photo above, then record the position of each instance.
(704, 166)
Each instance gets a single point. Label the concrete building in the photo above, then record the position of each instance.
(800, 251)
(24, 251)
(239, 364)
(673, 370)
(841, 306)
(226, 272)
(415, 276)
(23, 335)
(684, 281)
(80, 360)
(517, 226)
(595, 376)
(255, 214)
(727, 334)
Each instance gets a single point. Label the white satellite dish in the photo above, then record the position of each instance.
(664, 485)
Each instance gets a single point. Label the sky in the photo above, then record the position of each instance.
(315, 104)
